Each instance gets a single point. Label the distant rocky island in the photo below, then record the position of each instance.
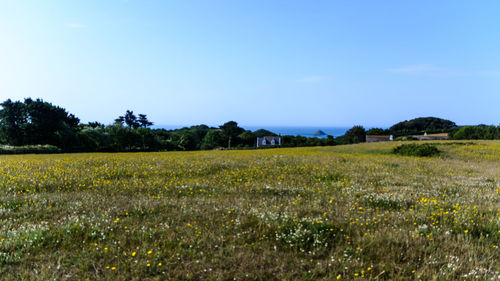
(319, 133)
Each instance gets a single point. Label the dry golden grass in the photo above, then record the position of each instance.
(347, 212)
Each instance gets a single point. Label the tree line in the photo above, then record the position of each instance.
(421, 125)
(34, 122)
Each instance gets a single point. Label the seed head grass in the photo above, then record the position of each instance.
(328, 213)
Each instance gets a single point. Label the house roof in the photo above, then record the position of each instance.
(378, 136)
(433, 135)
(438, 135)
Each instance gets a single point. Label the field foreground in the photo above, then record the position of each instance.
(347, 212)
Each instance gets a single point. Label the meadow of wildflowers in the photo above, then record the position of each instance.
(327, 213)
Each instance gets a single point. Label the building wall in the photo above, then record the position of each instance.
(377, 138)
(430, 138)
(260, 141)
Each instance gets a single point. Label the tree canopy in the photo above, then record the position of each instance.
(37, 122)
(355, 134)
(422, 124)
(231, 131)
(133, 121)
(377, 131)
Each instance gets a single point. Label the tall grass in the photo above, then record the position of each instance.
(346, 212)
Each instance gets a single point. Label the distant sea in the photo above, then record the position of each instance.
(303, 131)
(284, 130)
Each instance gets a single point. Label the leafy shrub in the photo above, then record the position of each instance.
(416, 150)
(36, 149)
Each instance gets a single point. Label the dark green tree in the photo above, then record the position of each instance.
(13, 120)
(37, 122)
(94, 139)
(263, 133)
(148, 140)
(131, 120)
(95, 125)
(247, 138)
(187, 141)
(123, 138)
(330, 140)
(213, 139)
(143, 121)
(231, 132)
(376, 131)
(355, 134)
(199, 133)
(120, 120)
(422, 124)
(49, 124)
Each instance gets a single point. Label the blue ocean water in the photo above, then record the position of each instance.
(302, 131)
(284, 130)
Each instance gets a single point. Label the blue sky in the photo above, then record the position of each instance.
(289, 63)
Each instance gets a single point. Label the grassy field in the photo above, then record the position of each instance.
(347, 212)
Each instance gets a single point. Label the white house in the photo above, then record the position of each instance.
(268, 141)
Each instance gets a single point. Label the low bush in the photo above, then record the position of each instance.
(420, 150)
(35, 149)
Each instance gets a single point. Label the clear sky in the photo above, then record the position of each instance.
(258, 62)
